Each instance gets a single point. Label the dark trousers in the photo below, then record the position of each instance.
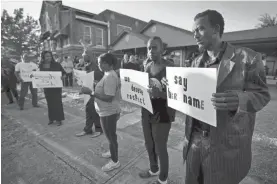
(92, 117)
(54, 103)
(24, 91)
(108, 124)
(156, 137)
(197, 161)
(68, 79)
(10, 92)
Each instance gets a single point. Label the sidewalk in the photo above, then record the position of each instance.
(84, 153)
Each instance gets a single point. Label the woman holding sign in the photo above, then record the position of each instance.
(107, 96)
(53, 95)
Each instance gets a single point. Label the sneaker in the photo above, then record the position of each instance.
(95, 134)
(50, 122)
(110, 166)
(36, 106)
(148, 174)
(83, 133)
(107, 154)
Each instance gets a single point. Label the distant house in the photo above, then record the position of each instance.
(182, 45)
(63, 27)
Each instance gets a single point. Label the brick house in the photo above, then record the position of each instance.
(182, 46)
(63, 27)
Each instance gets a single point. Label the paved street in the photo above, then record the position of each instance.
(29, 144)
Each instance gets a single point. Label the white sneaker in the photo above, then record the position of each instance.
(106, 155)
(110, 166)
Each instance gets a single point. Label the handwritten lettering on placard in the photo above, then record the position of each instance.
(47, 79)
(134, 88)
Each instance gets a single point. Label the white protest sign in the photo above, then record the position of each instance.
(190, 92)
(25, 75)
(88, 82)
(45, 79)
(80, 76)
(134, 86)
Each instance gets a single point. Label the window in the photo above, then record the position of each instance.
(66, 41)
(121, 28)
(99, 37)
(87, 35)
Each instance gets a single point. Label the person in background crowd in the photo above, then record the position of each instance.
(68, 66)
(80, 65)
(53, 95)
(8, 79)
(76, 61)
(107, 99)
(56, 57)
(132, 64)
(92, 116)
(124, 60)
(156, 126)
(222, 154)
(25, 67)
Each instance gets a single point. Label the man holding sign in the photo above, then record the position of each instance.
(156, 125)
(92, 116)
(23, 71)
(222, 154)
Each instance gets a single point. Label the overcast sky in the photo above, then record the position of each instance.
(237, 15)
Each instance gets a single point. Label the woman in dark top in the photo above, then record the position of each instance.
(53, 95)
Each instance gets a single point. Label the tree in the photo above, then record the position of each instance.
(19, 34)
(267, 21)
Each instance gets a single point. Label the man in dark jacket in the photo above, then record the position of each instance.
(8, 80)
(91, 114)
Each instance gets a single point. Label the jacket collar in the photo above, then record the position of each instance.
(225, 66)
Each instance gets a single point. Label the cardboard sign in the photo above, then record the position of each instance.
(134, 85)
(190, 91)
(88, 82)
(80, 76)
(45, 79)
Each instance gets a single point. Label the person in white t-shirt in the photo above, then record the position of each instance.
(68, 66)
(23, 70)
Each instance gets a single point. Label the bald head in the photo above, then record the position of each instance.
(155, 48)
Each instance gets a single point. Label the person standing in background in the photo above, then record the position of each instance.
(20, 68)
(92, 116)
(68, 66)
(132, 64)
(53, 95)
(8, 79)
(124, 61)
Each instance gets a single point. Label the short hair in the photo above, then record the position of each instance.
(157, 38)
(215, 18)
(108, 58)
(65, 57)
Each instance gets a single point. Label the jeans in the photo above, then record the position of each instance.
(68, 79)
(92, 117)
(108, 124)
(10, 92)
(24, 91)
(156, 137)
